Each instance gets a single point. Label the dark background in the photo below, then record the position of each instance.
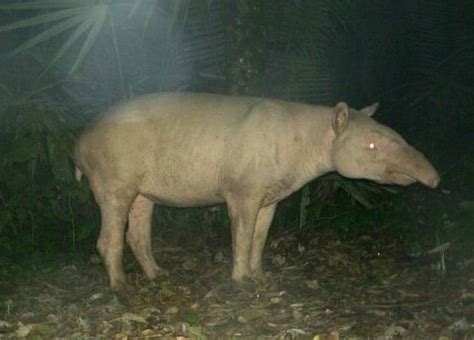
(62, 63)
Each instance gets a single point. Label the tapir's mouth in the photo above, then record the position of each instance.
(396, 176)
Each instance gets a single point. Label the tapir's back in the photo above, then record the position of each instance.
(180, 121)
(183, 108)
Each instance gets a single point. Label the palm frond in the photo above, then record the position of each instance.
(86, 15)
(46, 4)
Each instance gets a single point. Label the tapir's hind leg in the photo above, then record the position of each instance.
(114, 199)
(114, 209)
(139, 235)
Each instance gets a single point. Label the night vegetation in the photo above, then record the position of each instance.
(63, 62)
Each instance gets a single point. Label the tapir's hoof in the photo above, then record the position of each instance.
(156, 272)
(244, 285)
(120, 288)
(260, 278)
(231, 288)
(160, 271)
(123, 298)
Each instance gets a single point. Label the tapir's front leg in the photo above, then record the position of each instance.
(243, 215)
(264, 220)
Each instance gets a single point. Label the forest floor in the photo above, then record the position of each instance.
(320, 288)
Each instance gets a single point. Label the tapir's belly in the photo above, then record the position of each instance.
(179, 191)
(181, 201)
(211, 178)
(183, 174)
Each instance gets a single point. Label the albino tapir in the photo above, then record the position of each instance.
(184, 149)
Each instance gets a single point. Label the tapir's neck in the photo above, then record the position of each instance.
(320, 136)
(322, 160)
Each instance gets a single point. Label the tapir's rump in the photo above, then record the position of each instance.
(184, 149)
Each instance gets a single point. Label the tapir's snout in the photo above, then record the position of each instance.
(411, 166)
(433, 181)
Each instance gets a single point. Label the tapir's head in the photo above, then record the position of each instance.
(363, 148)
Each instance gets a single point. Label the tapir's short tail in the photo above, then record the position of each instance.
(78, 174)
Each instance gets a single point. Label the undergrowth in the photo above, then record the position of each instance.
(43, 210)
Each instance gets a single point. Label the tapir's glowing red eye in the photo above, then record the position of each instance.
(371, 146)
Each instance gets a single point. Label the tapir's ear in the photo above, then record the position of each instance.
(370, 110)
(341, 117)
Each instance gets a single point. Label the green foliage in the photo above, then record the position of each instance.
(42, 207)
(191, 319)
(351, 207)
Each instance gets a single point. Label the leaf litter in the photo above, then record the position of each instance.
(320, 289)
